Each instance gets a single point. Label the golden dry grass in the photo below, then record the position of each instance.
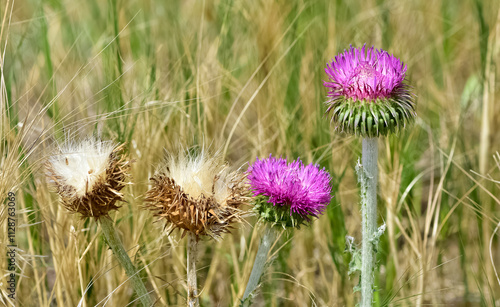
(246, 76)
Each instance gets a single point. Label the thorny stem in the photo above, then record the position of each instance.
(116, 246)
(192, 250)
(259, 264)
(369, 218)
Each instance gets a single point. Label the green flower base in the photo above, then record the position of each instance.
(367, 118)
(277, 216)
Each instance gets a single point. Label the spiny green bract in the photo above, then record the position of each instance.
(278, 216)
(367, 118)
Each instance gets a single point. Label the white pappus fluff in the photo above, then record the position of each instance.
(201, 173)
(82, 164)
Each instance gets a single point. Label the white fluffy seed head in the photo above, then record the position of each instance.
(81, 165)
(196, 193)
(201, 173)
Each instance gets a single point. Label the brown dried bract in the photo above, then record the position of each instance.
(105, 192)
(201, 216)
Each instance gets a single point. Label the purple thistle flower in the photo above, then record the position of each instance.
(305, 190)
(361, 74)
(367, 91)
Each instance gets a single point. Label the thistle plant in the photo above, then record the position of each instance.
(197, 195)
(88, 176)
(286, 195)
(369, 98)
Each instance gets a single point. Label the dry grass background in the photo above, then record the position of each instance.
(246, 76)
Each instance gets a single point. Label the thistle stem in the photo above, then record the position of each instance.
(259, 263)
(192, 250)
(117, 247)
(369, 217)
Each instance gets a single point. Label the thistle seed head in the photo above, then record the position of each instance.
(197, 193)
(88, 176)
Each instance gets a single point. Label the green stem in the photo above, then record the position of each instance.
(192, 250)
(122, 256)
(369, 179)
(259, 263)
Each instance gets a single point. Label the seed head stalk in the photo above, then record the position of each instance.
(192, 251)
(266, 242)
(368, 182)
(116, 246)
(196, 194)
(88, 175)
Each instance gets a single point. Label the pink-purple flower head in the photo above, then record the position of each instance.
(368, 93)
(288, 194)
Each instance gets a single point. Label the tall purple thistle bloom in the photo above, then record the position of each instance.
(368, 93)
(361, 74)
(305, 190)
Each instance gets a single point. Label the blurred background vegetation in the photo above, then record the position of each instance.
(246, 76)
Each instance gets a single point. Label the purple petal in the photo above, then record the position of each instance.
(305, 189)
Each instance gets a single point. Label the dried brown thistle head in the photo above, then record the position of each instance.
(88, 176)
(197, 194)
